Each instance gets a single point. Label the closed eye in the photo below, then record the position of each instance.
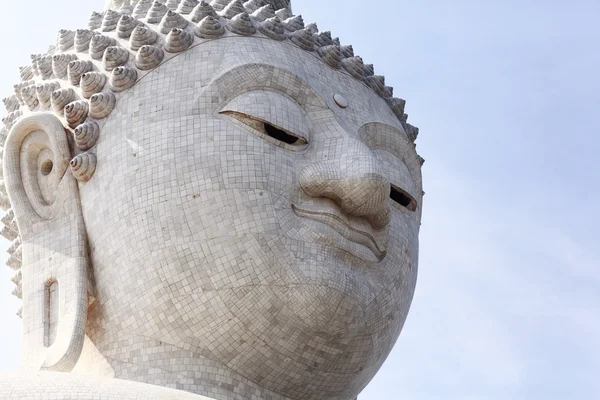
(402, 198)
(280, 134)
(272, 116)
(268, 129)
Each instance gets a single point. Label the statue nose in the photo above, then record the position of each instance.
(354, 182)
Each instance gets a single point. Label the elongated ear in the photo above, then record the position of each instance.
(46, 204)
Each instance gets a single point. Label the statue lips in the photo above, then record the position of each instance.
(347, 227)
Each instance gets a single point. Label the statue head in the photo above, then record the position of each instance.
(212, 188)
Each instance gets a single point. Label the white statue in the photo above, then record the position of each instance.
(213, 198)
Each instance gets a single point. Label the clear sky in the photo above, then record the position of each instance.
(507, 96)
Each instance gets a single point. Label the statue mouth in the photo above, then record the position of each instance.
(351, 230)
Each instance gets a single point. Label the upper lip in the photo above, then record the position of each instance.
(345, 226)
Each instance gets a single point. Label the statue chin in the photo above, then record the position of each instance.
(225, 204)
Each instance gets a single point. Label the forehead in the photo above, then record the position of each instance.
(230, 66)
(304, 77)
(200, 82)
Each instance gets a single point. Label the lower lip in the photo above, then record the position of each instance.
(349, 240)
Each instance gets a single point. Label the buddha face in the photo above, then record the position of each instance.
(258, 209)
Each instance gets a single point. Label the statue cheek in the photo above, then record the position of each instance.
(55, 280)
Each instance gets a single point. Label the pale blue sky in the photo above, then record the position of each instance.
(507, 96)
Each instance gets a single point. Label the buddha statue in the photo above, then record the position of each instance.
(207, 201)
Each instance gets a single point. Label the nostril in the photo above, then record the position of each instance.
(381, 219)
(360, 192)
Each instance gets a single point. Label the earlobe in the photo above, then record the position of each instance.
(55, 269)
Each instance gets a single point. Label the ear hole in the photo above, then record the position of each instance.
(46, 167)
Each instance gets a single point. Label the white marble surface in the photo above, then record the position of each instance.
(245, 237)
